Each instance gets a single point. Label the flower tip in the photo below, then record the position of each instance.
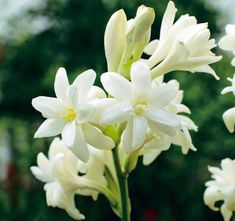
(61, 70)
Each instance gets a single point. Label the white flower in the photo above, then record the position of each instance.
(139, 103)
(222, 188)
(71, 113)
(229, 115)
(125, 40)
(228, 41)
(60, 173)
(183, 45)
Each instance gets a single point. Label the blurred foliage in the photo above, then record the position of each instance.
(171, 189)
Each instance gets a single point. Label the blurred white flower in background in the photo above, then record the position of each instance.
(17, 21)
(222, 188)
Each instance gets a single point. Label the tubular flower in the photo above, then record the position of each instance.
(228, 41)
(140, 104)
(229, 115)
(183, 45)
(71, 113)
(59, 172)
(125, 40)
(222, 188)
(155, 143)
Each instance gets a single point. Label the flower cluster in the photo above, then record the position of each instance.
(137, 113)
(222, 188)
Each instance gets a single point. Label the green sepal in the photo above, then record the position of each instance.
(112, 133)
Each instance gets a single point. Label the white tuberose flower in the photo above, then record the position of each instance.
(60, 173)
(228, 41)
(229, 115)
(183, 45)
(222, 188)
(71, 112)
(139, 103)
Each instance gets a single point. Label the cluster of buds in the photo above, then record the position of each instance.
(135, 114)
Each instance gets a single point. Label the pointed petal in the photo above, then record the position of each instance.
(168, 19)
(162, 95)
(151, 47)
(96, 93)
(69, 134)
(50, 128)
(161, 116)
(85, 113)
(127, 136)
(50, 107)
(61, 84)
(156, 127)
(117, 86)
(226, 213)
(84, 82)
(140, 126)
(116, 114)
(96, 138)
(141, 80)
(72, 94)
(80, 148)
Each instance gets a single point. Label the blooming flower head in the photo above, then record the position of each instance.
(71, 113)
(140, 104)
(228, 41)
(60, 173)
(183, 45)
(222, 188)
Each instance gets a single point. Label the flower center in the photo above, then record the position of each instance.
(139, 107)
(70, 114)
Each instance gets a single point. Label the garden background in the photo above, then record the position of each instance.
(35, 40)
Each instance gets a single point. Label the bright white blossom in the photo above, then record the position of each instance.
(222, 188)
(155, 143)
(65, 175)
(229, 115)
(71, 114)
(183, 45)
(228, 41)
(140, 104)
(125, 40)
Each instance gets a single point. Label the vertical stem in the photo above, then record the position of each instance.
(123, 185)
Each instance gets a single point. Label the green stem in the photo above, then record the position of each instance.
(123, 185)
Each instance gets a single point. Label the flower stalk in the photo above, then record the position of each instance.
(123, 186)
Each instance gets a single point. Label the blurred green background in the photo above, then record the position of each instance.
(35, 40)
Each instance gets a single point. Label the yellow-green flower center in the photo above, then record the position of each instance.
(70, 114)
(139, 107)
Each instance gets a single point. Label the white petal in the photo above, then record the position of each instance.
(116, 114)
(151, 47)
(80, 148)
(141, 80)
(229, 119)
(211, 196)
(61, 84)
(85, 113)
(168, 19)
(117, 86)
(69, 134)
(162, 95)
(96, 138)
(156, 127)
(229, 197)
(84, 82)
(127, 136)
(115, 40)
(50, 107)
(163, 117)
(95, 93)
(226, 213)
(140, 126)
(50, 128)
(72, 94)
(227, 43)
(150, 156)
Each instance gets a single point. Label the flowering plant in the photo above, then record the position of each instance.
(137, 113)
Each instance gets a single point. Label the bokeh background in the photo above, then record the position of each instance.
(36, 38)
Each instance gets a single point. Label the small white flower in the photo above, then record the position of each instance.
(222, 188)
(139, 103)
(229, 115)
(71, 113)
(228, 41)
(183, 45)
(60, 173)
